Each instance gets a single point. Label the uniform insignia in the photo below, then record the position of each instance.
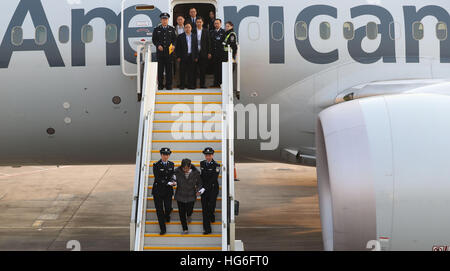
(232, 38)
(218, 169)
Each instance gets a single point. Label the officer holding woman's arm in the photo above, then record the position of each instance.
(162, 191)
(210, 179)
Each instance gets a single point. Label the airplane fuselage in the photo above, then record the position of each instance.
(68, 102)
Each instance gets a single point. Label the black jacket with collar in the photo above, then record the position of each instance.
(164, 37)
(210, 174)
(205, 44)
(163, 175)
(182, 47)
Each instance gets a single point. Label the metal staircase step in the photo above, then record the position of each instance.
(187, 125)
(196, 215)
(198, 203)
(186, 145)
(188, 116)
(175, 247)
(188, 105)
(183, 239)
(175, 227)
(186, 135)
(194, 155)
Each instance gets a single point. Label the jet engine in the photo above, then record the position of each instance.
(383, 166)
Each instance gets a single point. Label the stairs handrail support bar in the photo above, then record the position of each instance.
(146, 123)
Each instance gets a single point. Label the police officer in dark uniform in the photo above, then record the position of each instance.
(210, 171)
(162, 191)
(163, 38)
(230, 40)
(217, 51)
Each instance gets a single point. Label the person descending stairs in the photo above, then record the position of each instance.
(180, 121)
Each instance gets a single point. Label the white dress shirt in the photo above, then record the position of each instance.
(189, 43)
(180, 30)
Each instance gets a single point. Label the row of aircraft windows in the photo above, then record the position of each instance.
(87, 34)
(301, 30)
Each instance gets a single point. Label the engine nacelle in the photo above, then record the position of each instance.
(383, 166)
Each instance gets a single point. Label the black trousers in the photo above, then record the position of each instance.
(217, 65)
(165, 64)
(184, 209)
(201, 67)
(187, 67)
(163, 205)
(209, 200)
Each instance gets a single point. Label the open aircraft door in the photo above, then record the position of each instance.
(138, 19)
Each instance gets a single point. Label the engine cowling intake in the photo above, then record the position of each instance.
(383, 172)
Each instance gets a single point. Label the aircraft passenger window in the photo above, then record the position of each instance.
(40, 37)
(277, 31)
(301, 31)
(441, 31)
(64, 34)
(372, 31)
(349, 31)
(418, 30)
(111, 33)
(17, 36)
(87, 33)
(325, 30)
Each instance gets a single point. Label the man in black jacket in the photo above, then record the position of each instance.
(192, 19)
(204, 52)
(187, 55)
(162, 190)
(217, 50)
(210, 171)
(163, 38)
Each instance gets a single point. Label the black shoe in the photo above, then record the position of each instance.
(160, 88)
(213, 219)
(181, 88)
(169, 88)
(206, 232)
(202, 86)
(162, 232)
(168, 219)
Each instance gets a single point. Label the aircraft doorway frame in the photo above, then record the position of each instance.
(175, 3)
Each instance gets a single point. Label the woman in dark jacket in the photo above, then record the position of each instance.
(189, 187)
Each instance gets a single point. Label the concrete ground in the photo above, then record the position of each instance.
(42, 208)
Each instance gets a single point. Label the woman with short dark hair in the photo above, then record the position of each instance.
(189, 187)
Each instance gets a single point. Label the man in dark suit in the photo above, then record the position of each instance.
(217, 51)
(187, 55)
(192, 19)
(204, 52)
(212, 18)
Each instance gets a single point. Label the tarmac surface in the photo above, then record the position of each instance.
(43, 208)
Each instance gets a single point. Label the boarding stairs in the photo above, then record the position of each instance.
(186, 121)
